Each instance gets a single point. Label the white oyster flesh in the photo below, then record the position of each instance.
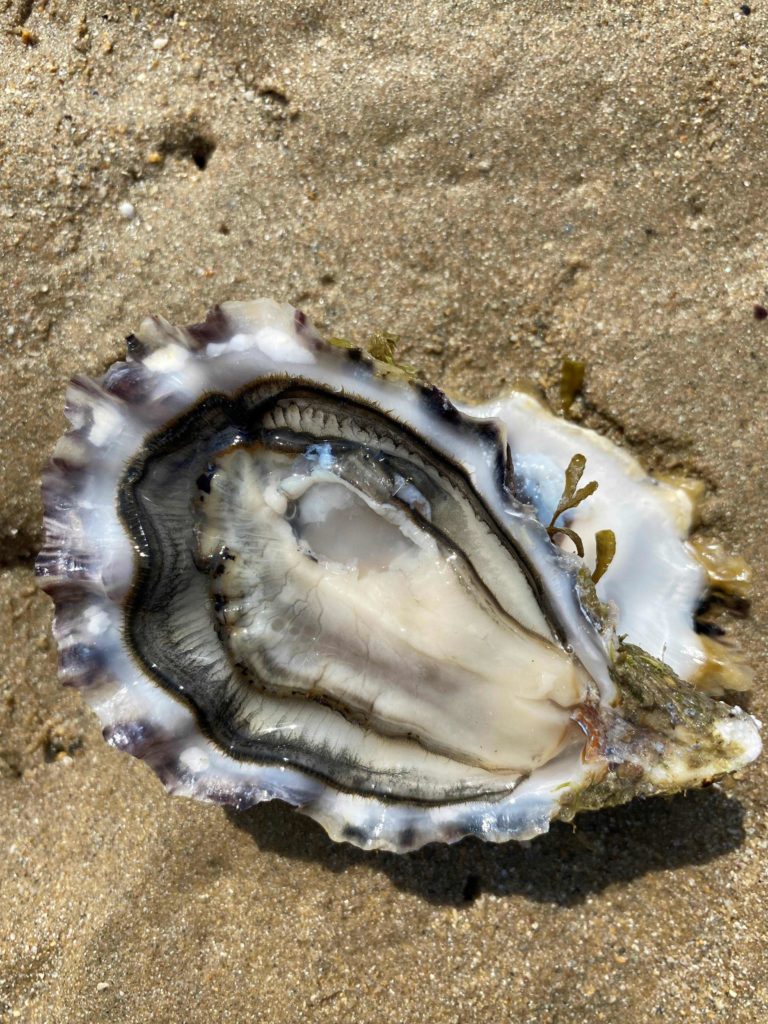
(325, 592)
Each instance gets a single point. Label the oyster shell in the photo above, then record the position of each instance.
(283, 569)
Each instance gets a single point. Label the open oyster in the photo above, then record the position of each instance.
(284, 569)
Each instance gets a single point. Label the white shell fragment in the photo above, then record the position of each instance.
(284, 569)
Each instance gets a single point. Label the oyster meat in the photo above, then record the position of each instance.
(285, 569)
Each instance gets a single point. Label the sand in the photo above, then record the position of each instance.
(503, 185)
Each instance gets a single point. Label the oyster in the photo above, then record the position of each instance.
(284, 569)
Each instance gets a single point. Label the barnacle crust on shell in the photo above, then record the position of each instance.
(284, 569)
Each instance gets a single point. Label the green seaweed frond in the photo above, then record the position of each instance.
(572, 496)
(380, 346)
(342, 343)
(572, 374)
(605, 549)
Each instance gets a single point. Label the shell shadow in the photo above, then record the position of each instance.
(563, 867)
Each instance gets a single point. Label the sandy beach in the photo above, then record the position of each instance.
(502, 185)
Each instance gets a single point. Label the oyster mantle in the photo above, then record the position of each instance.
(284, 569)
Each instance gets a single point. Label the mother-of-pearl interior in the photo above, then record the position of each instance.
(657, 580)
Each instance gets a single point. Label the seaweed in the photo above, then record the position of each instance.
(380, 346)
(572, 374)
(572, 496)
(605, 549)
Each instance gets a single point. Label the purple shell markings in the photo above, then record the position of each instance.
(285, 570)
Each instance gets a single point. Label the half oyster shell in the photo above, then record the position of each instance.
(284, 569)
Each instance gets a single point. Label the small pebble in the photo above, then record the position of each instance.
(127, 210)
(160, 43)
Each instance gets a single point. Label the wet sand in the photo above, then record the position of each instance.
(502, 185)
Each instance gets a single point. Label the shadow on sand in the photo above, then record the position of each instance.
(562, 867)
